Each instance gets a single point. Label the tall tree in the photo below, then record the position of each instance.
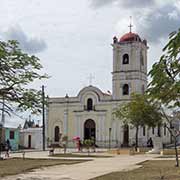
(165, 74)
(139, 112)
(165, 84)
(17, 71)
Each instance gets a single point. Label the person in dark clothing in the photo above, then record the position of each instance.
(150, 142)
(7, 148)
(8, 142)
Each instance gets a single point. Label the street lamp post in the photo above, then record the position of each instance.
(67, 101)
(43, 117)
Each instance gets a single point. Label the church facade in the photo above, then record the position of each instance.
(90, 113)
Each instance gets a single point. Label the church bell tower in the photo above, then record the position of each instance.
(129, 66)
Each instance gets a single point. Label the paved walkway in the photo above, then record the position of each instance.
(82, 171)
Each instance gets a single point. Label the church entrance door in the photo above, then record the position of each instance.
(126, 136)
(29, 141)
(89, 129)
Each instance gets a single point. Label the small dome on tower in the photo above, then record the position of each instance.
(130, 37)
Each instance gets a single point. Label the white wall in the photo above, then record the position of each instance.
(36, 137)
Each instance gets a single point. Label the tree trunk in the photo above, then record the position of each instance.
(176, 151)
(171, 138)
(175, 145)
(136, 145)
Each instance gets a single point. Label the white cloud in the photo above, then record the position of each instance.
(28, 44)
(159, 22)
(173, 15)
(177, 4)
(123, 3)
(154, 23)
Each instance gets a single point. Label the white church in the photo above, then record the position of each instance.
(90, 113)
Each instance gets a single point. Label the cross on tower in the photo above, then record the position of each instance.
(91, 77)
(130, 25)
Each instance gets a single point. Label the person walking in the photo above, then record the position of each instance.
(7, 148)
(150, 143)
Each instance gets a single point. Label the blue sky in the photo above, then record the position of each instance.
(73, 38)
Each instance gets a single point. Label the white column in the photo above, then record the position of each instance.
(113, 134)
(81, 127)
(76, 126)
(119, 132)
(65, 122)
(98, 129)
(103, 133)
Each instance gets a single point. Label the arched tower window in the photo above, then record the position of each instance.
(89, 104)
(125, 59)
(125, 89)
(56, 134)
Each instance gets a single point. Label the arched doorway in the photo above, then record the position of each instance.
(126, 136)
(56, 134)
(89, 129)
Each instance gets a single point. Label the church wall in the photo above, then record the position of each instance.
(133, 50)
(103, 118)
(55, 118)
(134, 73)
(148, 133)
(135, 85)
(71, 113)
(76, 116)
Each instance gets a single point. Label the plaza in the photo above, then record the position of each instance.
(81, 171)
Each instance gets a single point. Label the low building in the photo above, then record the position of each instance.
(11, 134)
(31, 138)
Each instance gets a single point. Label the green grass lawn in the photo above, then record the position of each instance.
(80, 155)
(18, 165)
(150, 170)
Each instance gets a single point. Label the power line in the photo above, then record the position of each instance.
(23, 118)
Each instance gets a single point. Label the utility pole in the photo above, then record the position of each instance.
(43, 117)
